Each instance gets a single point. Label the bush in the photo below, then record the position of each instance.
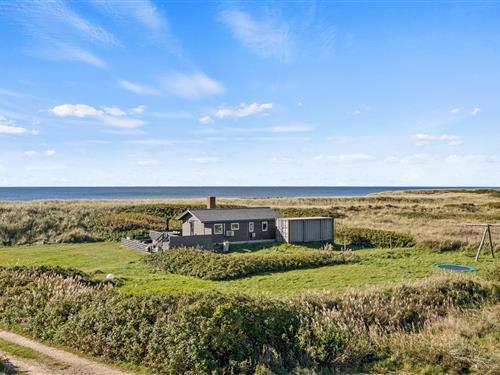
(227, 334)
(212, 266)
(443, 245)
(364, 237)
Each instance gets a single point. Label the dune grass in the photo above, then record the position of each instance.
(376, 267)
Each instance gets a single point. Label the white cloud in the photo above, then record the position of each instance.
(9, 127)
(300, 104)
(266, 38)
(74, 110)
(137, 110)
(109, 115)
(191, 86)
(417, 159)
(424, 139)
(146, 162)
(49, 153)
(243, 110)
(204, 160)
(391, 159)
(205, 120)
(281, 159)
(410, 159)
(455, 110)
(345, 158)
(475, 111)
(294, 128)
(114, 111)
(473, 158)
(138, 88)
(30, 153)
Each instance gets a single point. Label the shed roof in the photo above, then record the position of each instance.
(231, 214)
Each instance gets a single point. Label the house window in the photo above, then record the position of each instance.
(218, 228)
(235, 226)
(251, 227)
(264, 226)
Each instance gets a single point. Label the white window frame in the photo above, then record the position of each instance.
(251, 227)
(221, 229)
(266, 225)
(235, 226)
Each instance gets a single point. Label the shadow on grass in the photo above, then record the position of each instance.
(6, 367)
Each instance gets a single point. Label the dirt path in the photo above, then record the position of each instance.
(75, 365)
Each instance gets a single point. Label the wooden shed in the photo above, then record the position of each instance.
(304, 229)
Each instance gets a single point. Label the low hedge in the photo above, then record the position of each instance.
(221, 333)
(365, 237)
(213, 266)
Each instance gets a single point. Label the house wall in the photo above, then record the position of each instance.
(243, 234)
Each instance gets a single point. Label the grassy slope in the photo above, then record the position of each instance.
(377, 266)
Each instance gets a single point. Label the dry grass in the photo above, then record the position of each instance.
(426, 215)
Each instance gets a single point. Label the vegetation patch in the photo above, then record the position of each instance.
(28, 353)
(213, 266)
(365, 237)
(212, 333)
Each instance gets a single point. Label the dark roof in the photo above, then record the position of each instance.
(231, 214)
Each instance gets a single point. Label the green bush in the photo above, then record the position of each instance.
(365, 237)
(213, 266)
(226, 334)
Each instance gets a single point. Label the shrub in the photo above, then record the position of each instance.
(443, 245)
(212, 266)
(227, 334)
(364, 237)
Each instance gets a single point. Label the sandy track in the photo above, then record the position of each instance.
(76, 365)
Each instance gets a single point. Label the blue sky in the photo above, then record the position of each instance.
(96, 93)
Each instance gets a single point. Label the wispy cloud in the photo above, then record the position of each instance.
(147, 14)
(108, 115)
(58, 31)
(143, 11)
(69, 52)
(138, 88)
(473, 158)
(292, 128)
(267, 37)
(191, 85)
(475, 111)
(455, 110)
(49, 153)
(146, 162)
(243, 110)
(424, 139)
(9, 127)
(204, 160)
(345, 158)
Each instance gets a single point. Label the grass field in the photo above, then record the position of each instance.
(376, 267)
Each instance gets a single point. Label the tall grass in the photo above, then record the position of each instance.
(230, 334)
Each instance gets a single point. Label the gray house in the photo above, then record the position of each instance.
(210, 227)
(233, 224)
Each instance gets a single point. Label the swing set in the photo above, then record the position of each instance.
(487, 231)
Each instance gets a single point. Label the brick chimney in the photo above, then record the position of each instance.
(211, 202)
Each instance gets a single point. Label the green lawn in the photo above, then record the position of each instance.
(376, 266)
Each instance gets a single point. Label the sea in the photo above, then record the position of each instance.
(185, 192)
